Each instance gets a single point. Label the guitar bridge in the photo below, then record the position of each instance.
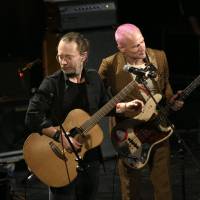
(57, 151)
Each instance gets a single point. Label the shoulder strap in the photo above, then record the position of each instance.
(93, 89)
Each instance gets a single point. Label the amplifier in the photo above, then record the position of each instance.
(72, 15)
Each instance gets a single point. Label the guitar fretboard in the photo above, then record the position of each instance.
(193, 85)
(185, 93)
(107, 107)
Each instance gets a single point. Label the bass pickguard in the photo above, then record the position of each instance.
(134, 143)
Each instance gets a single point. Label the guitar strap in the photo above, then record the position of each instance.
(151, 58)
(93, 92)
(141, 92)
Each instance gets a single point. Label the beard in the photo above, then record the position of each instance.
(70, 73)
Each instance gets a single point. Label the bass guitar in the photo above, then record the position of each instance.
(57, 167)
(134, 139)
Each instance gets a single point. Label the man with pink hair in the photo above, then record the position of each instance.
(133, 52)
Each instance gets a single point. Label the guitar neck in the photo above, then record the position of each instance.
(107, 107)
(193, 85)
(185, 93)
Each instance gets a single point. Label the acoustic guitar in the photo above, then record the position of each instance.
(46, 158)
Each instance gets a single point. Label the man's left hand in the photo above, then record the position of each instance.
(175, 103)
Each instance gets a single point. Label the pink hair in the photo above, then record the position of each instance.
(123, 32)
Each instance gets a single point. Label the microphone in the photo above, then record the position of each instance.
(28, 66)
(31, 64)
(147, 71)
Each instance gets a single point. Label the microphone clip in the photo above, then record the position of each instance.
(149, 71)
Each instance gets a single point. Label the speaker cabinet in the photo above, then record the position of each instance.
(73, 15)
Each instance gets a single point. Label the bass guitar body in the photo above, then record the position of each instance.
(134, 139)
(134, 143)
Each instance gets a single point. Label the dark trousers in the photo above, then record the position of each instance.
(84, 187)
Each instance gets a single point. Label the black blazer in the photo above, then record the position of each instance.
(45, 107)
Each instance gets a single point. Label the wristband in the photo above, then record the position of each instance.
(56, 135)
(121, 107)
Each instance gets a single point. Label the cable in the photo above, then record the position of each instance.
(66, 167)
(114, 175)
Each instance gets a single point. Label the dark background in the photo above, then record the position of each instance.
(26, 34)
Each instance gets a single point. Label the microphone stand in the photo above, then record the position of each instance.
(81, 165)
(182, 147)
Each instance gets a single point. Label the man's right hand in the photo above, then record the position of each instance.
(67, 145)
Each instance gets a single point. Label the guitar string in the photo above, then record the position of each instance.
(162, 114)
(159, 118)
(194, 84)
(164, 111)
(107, 107)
